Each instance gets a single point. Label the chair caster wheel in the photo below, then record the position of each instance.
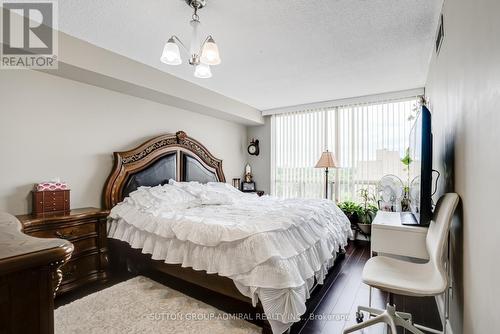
(359, 317)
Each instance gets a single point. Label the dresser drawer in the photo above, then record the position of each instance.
(68, 232)
(53, 195)
(86, 229)
(84, 245)
(80, 267)
(54, 206)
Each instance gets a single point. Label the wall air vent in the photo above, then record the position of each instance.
(440, 34)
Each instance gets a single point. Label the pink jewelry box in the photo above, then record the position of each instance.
(51, 186)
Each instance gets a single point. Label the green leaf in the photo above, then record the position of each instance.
(407, 160)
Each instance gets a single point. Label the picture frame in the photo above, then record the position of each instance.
(248, 186)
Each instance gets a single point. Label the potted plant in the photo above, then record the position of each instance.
(351, 210)
(367, 211)
(406, 161)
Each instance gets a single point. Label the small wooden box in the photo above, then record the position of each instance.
(50, 201)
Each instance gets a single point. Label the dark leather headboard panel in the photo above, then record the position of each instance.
(193, 170)
(157, 173)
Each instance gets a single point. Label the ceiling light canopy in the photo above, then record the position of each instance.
(201, 56)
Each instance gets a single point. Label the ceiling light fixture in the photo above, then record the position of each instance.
(202, 57)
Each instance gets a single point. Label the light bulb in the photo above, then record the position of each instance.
(202, 71)
(210, 53)
(171, 54)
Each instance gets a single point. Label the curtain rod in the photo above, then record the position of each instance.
(403, 94)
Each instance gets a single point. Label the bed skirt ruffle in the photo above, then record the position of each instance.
(275, 259)
(281, 282)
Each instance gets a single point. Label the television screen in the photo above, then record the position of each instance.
(420, 150)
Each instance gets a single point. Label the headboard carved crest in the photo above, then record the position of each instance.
(181, 135)
(139, 159)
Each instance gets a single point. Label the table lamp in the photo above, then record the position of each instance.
(326, 161)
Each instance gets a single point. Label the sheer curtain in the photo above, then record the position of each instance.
(298, 139)
(367, 139)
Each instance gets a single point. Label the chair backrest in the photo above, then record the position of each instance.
(437, 235)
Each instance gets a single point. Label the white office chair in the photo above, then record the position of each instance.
(408, 278)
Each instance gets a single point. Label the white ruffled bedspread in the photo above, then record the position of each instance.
(272, 249)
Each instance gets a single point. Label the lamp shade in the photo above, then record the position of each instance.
(202, 71)
(210, 53)
(327, 160)
(171, 54)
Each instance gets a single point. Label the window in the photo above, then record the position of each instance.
(368, 141)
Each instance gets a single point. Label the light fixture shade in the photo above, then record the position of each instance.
(171, 54)
(202, 71)
(327, 160)
(210, 53)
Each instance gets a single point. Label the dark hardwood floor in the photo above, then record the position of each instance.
(332, 305)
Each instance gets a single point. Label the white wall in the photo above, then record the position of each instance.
(261, 164)
(50, 126)
(463, 87)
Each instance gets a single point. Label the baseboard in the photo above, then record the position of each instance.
(440, 306)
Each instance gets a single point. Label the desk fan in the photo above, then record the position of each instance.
(390, 190)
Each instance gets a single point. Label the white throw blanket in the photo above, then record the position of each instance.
(272, 249)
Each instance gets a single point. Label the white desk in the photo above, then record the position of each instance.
(389, 236)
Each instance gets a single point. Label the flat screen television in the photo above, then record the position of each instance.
(420, 150)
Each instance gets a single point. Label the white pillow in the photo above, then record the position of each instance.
(192, 187)
(166, 197)
(213, 193)
(142, 198)
(209, 197)
(227, 189)
(171, 196)
(222, 186)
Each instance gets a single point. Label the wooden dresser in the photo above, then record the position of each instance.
(86, 230)
(29, 275)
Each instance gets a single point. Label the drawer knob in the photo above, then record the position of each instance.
(71, 272)
(62, 236)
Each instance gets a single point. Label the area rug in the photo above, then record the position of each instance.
(141, 305)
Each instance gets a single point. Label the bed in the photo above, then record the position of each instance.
(168, 199)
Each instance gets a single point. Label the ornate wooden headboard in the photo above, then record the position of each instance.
(171, 156)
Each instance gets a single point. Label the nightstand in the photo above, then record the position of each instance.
(258, 192)
(86, 230)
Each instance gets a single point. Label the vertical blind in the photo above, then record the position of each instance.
(368, 141)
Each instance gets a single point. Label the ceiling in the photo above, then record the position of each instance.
(275, 53)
